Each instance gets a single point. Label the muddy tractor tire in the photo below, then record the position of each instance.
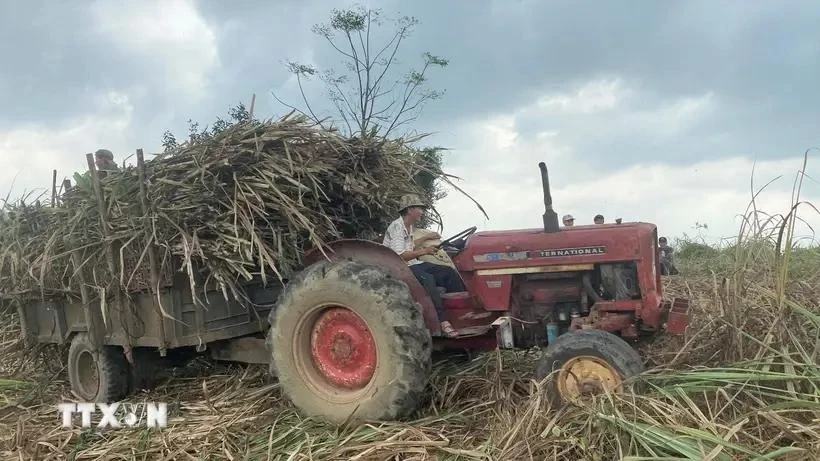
(586, 362)
(348, 342)
(102, 376)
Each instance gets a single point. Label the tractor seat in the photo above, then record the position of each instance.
(455, 295)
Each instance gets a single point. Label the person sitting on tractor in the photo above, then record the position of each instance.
(399, 238)
(599, 219)
(568, 220)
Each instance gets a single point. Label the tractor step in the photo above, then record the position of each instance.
(468, 332)
(677, 318)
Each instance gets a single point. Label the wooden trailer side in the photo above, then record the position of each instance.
(56, 321)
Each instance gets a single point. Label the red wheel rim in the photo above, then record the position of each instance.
(343, 348)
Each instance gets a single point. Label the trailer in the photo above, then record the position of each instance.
(112, 350)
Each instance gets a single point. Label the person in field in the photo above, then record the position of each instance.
(399, 238)
(666, 257)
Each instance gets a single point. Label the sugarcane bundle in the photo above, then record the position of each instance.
(246, 203)
(25, 231)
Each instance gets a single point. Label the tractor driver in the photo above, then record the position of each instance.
(399, 238)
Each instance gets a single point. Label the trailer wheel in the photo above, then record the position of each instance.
(97, 376)
(587, 362)
(349, 342)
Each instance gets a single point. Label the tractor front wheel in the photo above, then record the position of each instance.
(348, 341)
(587, 362)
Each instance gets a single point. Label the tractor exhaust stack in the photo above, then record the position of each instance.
(550, 217)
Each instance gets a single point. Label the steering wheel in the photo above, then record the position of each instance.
(460, 238)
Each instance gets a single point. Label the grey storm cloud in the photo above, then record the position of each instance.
(55, 61)
(759, 60)
(49, 61)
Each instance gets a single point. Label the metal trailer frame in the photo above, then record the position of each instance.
(229, 329)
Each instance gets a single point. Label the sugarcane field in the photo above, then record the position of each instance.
(427, 231)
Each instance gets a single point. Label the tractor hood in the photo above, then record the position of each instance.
(572, 245)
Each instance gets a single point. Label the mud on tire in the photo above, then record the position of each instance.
(102, 376)
(363, 326)
(593, 351)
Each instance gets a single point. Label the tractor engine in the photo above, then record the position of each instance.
(538, 283)
(552, 300)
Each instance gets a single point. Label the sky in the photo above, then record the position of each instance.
(661, 112)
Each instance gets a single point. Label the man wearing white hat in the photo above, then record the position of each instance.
(399, 238)
(569, 220)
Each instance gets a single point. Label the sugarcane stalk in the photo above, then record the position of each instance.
(109, 256)
(53, 188)
(152, 252)
(95, 331)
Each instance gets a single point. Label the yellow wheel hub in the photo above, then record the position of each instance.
(587, 375)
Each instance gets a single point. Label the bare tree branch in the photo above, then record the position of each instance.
(362, 100)
(341, 96)
(290, 106)
(304, 98)
(366, 46)
(386, 109)
(392, 57)
(366, 102)
(414, 80)
(343, 115)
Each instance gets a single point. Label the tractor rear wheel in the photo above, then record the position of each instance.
(97, 376)
(587, 362)
(348, 341)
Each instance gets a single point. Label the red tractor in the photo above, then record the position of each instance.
(352, 334)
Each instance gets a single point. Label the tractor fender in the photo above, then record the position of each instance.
(376, 254)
